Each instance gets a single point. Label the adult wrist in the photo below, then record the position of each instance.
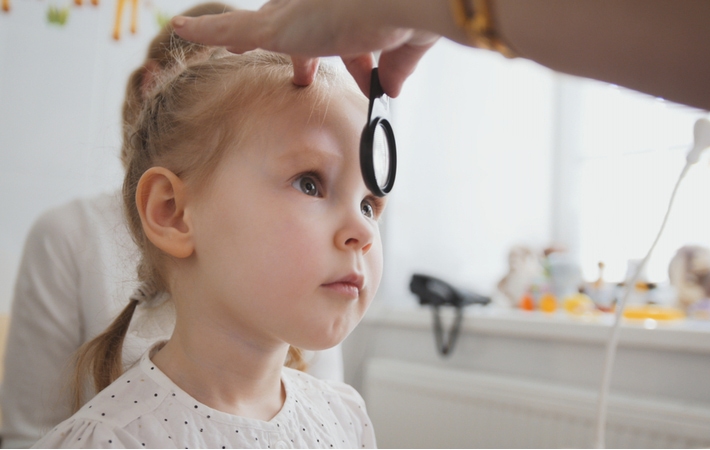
(477, 19)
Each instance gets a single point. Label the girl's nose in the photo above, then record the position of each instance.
(356, 232)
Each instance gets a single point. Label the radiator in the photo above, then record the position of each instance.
(421, 406)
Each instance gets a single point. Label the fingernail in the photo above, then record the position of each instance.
(178, 22)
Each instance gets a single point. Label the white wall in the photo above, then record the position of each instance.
(61, 90)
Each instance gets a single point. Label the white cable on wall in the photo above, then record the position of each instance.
(701, 142)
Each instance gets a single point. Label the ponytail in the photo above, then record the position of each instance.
(101, 359)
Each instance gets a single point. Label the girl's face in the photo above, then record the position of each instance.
(286, 233)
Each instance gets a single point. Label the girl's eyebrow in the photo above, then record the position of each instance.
(308, 156)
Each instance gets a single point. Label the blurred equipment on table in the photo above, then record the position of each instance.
(437, 293)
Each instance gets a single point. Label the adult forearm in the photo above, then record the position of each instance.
(430, 15)
(661, 47)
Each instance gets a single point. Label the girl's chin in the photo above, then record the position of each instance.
(323, 342)
(326, 331)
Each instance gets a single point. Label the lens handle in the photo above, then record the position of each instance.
(377, 116)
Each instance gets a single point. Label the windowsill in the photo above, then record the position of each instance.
(684, 335)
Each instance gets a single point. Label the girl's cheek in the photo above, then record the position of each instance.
(377, 262)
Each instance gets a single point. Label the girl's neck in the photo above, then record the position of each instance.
(224, 372)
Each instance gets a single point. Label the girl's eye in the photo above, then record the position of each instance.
(308, 185)
(367, 210)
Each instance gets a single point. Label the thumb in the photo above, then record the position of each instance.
(395, 66)
(360, 67)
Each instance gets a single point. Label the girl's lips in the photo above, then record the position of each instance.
(348, 289)
(350, 285)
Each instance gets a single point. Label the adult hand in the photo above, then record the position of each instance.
(308, 29)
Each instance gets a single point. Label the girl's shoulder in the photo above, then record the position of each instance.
(114, 418)
(101, 422)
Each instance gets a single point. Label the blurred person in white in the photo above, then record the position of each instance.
(77, 272)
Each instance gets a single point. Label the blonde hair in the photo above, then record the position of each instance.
(200, 108)
(160, 56)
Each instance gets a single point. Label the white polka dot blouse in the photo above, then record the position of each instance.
(145, 409)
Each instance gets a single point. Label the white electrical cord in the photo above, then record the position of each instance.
(702, 141)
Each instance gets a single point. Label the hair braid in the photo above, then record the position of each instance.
(100, 359)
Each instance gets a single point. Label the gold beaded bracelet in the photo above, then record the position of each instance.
(475, 18)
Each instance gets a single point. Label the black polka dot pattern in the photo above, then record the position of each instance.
(313, 416)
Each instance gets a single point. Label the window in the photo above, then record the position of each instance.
(496, 152)
(475, 136)
(625, 155)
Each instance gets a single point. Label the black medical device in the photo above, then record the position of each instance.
(378, 150)
(437, 293)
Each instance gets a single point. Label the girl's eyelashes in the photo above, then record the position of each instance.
(309, 184)
(371, 207)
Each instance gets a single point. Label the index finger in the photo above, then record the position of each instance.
(398, 64)
(236, 30)
(304, 70)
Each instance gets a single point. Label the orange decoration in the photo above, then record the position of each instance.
(654, 312)
(527, 302)
(548, 303)
(134, 17)
(119, 15)
(117, 22)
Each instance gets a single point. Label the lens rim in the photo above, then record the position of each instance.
(367, 160)
(377, 116)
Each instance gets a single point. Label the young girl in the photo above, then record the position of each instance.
(245, 196)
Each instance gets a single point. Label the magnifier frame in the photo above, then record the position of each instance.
(377, 116)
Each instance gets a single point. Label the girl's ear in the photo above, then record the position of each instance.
(161, 200)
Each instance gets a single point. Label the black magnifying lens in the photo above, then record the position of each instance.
(378, 151)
